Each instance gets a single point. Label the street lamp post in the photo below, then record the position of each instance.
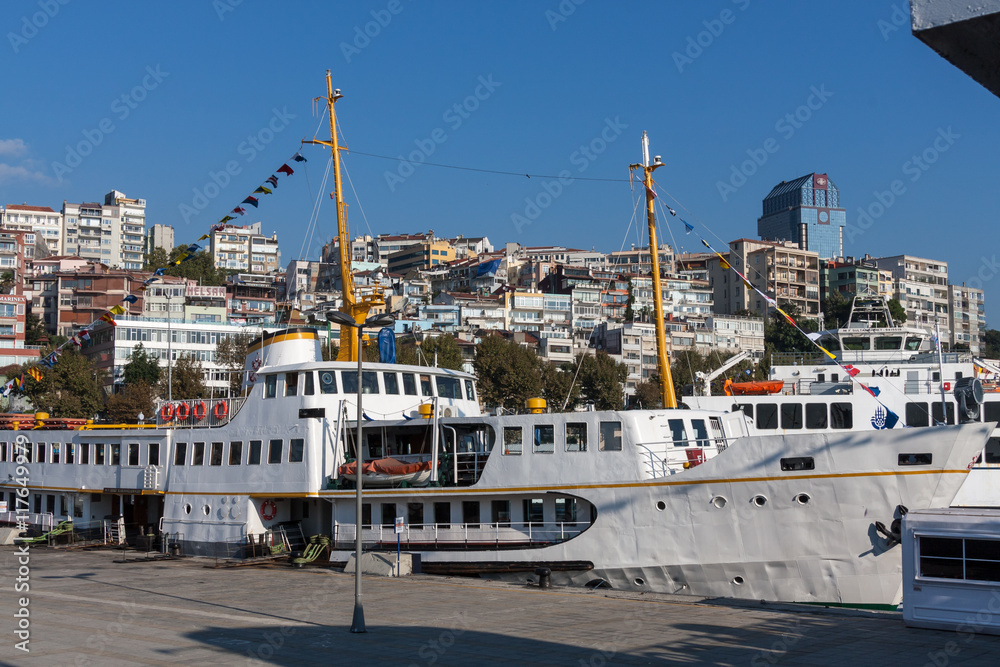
(345, 320)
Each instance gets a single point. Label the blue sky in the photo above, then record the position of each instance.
(161, 96)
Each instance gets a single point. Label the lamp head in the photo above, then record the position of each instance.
(341, 318)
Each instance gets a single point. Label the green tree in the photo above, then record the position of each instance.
(897, 311)
(200, 268)
(449, 355)
(784, 336)
(231, 353)
(156, 259)
(648, 395)
(991, 349)
(126, 406)
(603, 381)
(142, 367)
(73, 388)
(508, 373)
(630, 303)
(187, 380)
(557, 384)
(6, 282)
(34, 330)
(836, 310)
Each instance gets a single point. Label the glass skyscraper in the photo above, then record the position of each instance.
(805, 211)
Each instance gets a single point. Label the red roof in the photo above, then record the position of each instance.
(23, 207)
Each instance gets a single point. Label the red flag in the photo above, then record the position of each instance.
(238, 210)
(851, 370)
(109, 318)
(286, 169)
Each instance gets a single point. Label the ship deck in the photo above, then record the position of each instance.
(87, 609)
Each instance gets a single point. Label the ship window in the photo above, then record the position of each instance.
(913, 344)
(388, 514)
(888, 342)
(576, 437)
(610, 437)
(936, 412)
(747, 409)
(767, 415)
(3, 453)
(545, 438)
(270, 386)
(425, 386)
(133, 453)
(366, 514)
(197, 453)
(442, 514)
(253, 456)
(857, 343)
(470, 513)
(841, 415)
(180, 453)
(216, 458)
(328, 382)
(291, 384)
(917, 415)
(534, 510)
(85, 453)
(700, 432)
(677, 432)
(308, 384)
(153, 452)
(99, 454)
(501, 512)
(991, 411)
(70, 452)
(369, 382)
(391, 382)
(566, 510)
(274, 451)
(116, 455)
(798, 463)
(296, 448)
(55, 452)
(409, 384)
(449, 387)
(512, 440)
(816, 415)
(915, 459)
(415, 515)
(958, 558)
(235, 452)
(791, 415)
(470, 392)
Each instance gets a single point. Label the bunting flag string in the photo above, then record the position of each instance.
(891, 418)
(82, 337)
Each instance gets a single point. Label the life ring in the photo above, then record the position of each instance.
(220, 410)
(268, 510)
(166, 412)
(183, 411)
(199, 410)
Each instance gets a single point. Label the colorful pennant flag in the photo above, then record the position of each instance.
(116, 310)
(224, 220)
(35, 373)
(266, 191)
(238, 210)
(251, 200)
(273, 180)
(298, 158)
(850, 370)
(109, 318)
(688, 228)
(131, 298)
(672, 211)
(285, 169)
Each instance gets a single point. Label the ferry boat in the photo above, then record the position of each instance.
(677, 500)
(925, 387)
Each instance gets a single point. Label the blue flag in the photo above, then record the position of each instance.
(387, 345)
(688, 228)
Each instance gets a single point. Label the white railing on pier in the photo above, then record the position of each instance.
(43, 520)
(456, 535)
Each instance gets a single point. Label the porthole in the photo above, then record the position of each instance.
(738, 581)
(803, 499)
(224, 500)
(639, 581)
(719, 502)
(187, 508)
(759, 500)
(326, 378)
(660, 505)
(206, 509)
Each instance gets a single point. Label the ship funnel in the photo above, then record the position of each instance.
(288, 346)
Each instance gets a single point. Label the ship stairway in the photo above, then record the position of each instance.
(291, 535)
(114, 531)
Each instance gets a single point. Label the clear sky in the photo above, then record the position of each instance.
(161, 96)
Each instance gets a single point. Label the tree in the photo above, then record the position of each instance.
(991, 349)
(73, 388)
(135, 399)
(648, 395)
(201, 268)
(629, 311)
(603, 381)
(897, 311)
(6, 282)
(836, 310)
(449, 355)
(187, 382)
(142, 367)
(557, 384)
(155, 259)
(231, 353)
(508, 373)
(784, 336)
(34, 330)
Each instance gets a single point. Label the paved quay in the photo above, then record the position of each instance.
(86, 609)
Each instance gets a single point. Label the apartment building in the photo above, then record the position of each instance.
(782, 270)
(640, 260)
(84, 294)
(160, 236)
(967, 317)
(251, 299)
(419, 256)
(245, 248)
(38, 222)
(921, 286)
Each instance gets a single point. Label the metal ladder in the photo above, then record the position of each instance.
(114, 532)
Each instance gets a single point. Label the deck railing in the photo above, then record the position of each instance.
(462, 535)
(217, 412)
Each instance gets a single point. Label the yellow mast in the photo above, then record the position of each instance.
(356, 305)
(663, 360)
